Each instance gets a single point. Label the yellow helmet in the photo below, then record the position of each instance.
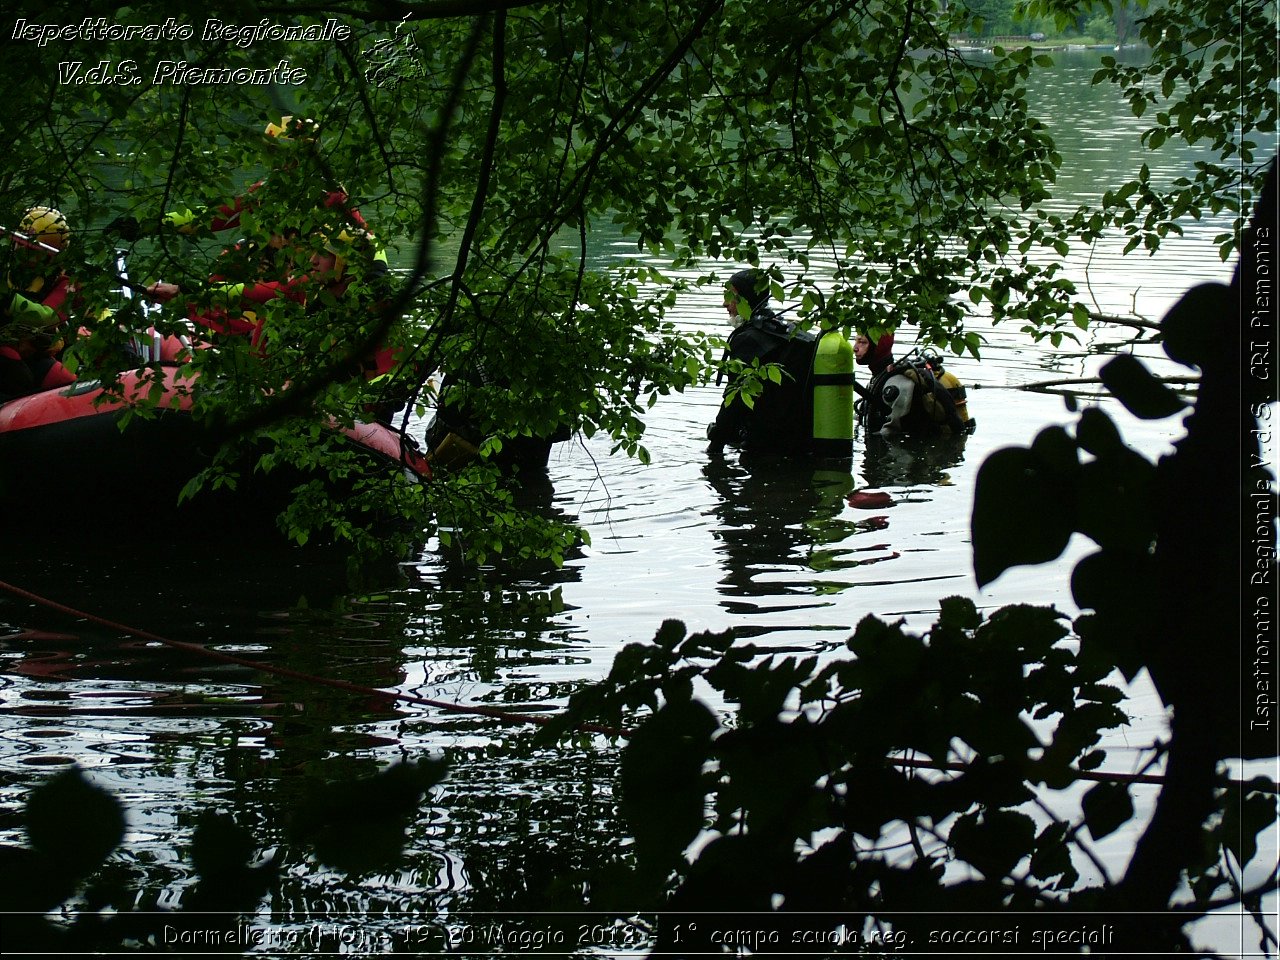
(340, 247)
(348, 242)
(292, 128)
(47, 225)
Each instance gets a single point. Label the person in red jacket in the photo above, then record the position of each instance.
(239, 308)
(35, 309)
(245, 309)
(249, 274)
(288, 139)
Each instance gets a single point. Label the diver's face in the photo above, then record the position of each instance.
(861, 346)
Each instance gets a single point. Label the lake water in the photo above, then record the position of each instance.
(776, 554)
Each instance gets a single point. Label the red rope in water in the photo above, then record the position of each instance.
(505, 716)
(494, 713)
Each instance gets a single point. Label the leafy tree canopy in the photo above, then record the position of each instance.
(485, 143)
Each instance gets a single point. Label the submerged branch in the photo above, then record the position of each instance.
(1140, 322)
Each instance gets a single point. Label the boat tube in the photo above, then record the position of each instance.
(68, 453)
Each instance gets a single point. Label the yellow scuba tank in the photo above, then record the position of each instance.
(833, 396)
(453, 452)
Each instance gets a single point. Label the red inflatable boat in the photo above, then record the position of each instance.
(65, 456)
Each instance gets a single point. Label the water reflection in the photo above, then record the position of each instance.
(498, 634)
(911, 461)
(775, 517)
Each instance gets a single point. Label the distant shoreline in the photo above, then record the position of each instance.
(990, 43)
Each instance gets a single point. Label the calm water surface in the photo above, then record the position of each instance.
(775, 553)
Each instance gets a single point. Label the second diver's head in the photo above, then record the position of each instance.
(877, 354)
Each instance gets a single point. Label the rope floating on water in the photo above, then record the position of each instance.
(520, 719)
(1086, 381)
(504, 716)
(1097, 776)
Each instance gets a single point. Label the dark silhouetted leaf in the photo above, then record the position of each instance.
(1106, 807)
(1056, 450)
(220, 848)
(360, 826)
(707, 644)
(1245, 814)
(959, 613)
(669, 634)
(663, 797)
(31, 882)
(1092, 760)
(1119, 634)
(1023, 513)
(1053, 856)
(1186, 323)
(74, 823)
(1141, 393)
(993, 841)
(1115, 504)
(1097, 433)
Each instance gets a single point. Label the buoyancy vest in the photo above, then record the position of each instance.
(917, 395)
(959, 396)
(33, 317)
(37, 292)
(244, 320)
